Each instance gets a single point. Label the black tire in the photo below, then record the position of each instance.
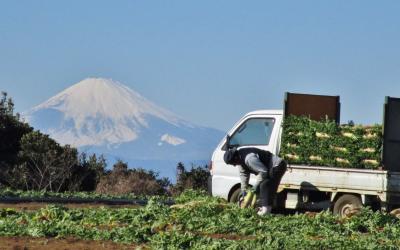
(235, 196)
(347, 205)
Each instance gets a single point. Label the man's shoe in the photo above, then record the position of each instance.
(264, 210)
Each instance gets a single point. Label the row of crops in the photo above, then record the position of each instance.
(9, 196)
(198, 221)
(325, 143)
(6, 192)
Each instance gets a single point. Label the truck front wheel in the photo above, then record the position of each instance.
(234, 198)
(347, 205)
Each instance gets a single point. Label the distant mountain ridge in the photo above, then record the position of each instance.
(103, 116)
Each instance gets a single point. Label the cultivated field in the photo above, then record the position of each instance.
(196, 221)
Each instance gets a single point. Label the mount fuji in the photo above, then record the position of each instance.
(103, 116)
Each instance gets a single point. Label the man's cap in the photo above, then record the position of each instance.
(230, 155)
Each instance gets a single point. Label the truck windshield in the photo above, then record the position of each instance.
(254, 131)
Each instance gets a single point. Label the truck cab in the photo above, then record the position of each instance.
(261, 129)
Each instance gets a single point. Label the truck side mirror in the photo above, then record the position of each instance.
(228, 141)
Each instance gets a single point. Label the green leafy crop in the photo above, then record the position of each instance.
(324, 143)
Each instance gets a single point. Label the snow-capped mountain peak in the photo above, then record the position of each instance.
(99, 111)
(94, 97)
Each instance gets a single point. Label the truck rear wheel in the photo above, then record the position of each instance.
(347, 205)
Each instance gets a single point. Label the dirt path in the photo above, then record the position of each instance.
(28, 243)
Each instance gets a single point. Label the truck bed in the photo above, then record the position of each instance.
(381, 183)
(329, 179)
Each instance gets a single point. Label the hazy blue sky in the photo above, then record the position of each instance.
(208, 61)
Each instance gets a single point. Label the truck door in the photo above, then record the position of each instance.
(254, 131)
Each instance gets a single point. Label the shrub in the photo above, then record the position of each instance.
(86, 175)
(196, 178)
(122, 180)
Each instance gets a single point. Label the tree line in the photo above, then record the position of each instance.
(31, 160)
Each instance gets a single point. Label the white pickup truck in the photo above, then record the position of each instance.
(303, 187)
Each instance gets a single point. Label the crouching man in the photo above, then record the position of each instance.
(268, 168)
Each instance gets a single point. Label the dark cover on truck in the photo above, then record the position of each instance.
(391, 135)
(317, 107)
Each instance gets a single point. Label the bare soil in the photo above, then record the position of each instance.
(38, 205)
(29, 243)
